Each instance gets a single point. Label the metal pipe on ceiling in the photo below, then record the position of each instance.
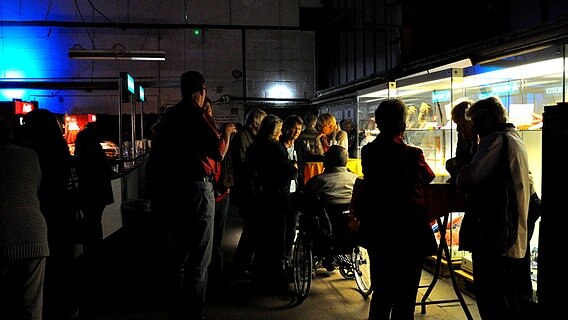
(124, 26)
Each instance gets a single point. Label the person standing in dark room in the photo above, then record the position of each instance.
(348, 126)
(297, 153)
(467, 142)
(270, 172)
(499, 264)
(42, 132)
(23, 232)
(94, 175)
(395, 176)
(222, 186)
(181, 189)
(241, 197)
(309, 134)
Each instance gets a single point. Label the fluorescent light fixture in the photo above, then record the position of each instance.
(117, 55)
(547, 68)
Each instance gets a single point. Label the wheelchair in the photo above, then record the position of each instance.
(323, 240)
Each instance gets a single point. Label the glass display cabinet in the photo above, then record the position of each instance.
(525, 83)
(367, 102)
(429, 98)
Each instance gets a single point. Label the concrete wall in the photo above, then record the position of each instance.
(35, 40)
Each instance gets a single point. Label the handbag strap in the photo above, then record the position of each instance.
(504, 156)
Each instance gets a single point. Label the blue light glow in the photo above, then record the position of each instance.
(43, 58)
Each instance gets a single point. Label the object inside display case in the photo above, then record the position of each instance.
(75, 123)
(110, 148)
(369, 133)
(452, 234)
(434, 144)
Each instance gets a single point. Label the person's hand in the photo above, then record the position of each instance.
(536, 118)
(230, 128)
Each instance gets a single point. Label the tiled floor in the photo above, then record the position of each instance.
(125, 286)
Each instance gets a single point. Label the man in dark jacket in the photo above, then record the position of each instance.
(181, 187)
(239, 194)
(395, 176)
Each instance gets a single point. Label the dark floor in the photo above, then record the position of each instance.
(127, 284)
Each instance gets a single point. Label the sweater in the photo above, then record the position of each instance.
(23, 231)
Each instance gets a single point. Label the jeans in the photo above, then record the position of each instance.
(193, 235)
(216, 270)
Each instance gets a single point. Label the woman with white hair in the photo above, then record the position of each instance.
(498, 264)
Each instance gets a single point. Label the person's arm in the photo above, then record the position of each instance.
(318, 148)
(245, 139)
(424, 169)
(482, 165)
(228, 130)
(216, 144)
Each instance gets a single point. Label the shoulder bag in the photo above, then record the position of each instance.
(500, 231)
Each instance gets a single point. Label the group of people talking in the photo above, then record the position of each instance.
(267, 157)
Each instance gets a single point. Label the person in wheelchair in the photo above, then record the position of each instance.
(335, 184)
(331, 191)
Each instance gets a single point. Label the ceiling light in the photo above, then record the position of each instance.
(117, 55)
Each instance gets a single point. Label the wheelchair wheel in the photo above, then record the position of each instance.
(362, 270)
(303, 264)
(345, 266)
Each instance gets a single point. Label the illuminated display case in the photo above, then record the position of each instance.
(525, 83)
(367, 102)
(429, 98)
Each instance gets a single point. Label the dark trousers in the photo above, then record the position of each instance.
(93, 238)
(193, 236)
(270, 215)
(21, 289)
(501, 285)
(61, 288)
(396, 276)
(216, 269)
(245, 248)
